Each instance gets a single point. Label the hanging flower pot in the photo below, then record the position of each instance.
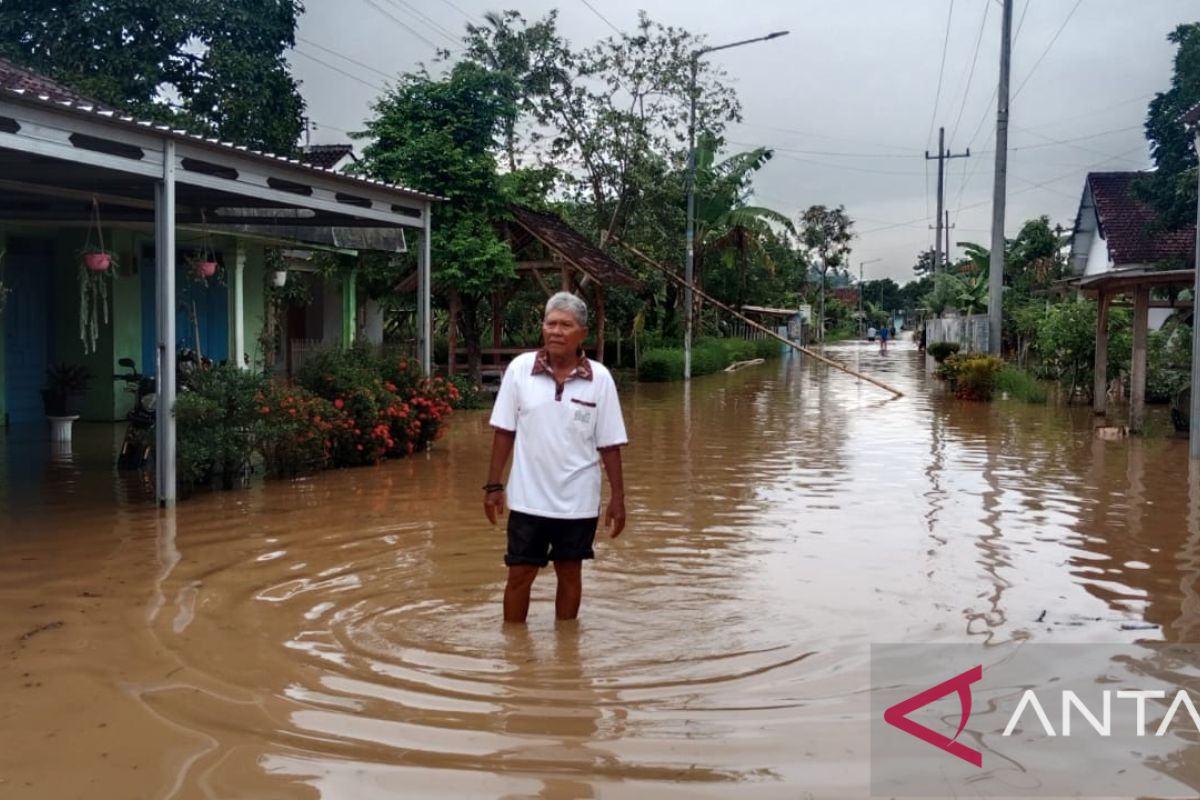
(279, 278)
(204, 268)
(97, 260)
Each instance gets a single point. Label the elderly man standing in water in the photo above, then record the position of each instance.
(558, 410)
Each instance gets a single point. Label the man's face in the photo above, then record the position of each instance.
(562, 334)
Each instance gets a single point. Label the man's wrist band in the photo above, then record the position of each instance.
(493, 487)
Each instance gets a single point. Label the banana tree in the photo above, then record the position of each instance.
(725, 223)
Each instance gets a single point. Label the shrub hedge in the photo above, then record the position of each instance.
(708, 356)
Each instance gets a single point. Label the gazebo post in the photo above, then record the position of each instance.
(1100, 380)
(1194, 422)
(1137, 394)
(600, 322)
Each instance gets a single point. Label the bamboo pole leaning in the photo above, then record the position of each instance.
(730, 310)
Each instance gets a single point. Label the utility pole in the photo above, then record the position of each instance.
(862, 288)
(1000, 187)
(944, 231)
(942, 156)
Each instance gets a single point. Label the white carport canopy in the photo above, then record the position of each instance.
(55, 156)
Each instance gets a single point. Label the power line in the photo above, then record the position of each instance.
(937, 97)
(431, 23)
(971, 74)
(339, 70)
(601, 16)
(367, 67)
(1057, 33)
(470, 17)
(400, 22)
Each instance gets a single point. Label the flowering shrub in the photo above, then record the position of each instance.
(298, 430)
(350, 409)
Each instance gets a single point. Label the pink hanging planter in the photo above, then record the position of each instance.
(97, 260)
(205, 269)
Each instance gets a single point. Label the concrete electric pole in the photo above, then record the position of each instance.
(1000, 188)
(942, 157)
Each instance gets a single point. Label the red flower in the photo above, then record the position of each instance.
(339, 403)
(266, 409)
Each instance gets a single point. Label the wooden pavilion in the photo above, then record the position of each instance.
(558, 258)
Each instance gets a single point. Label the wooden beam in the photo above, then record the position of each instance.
(1137, 378)
(537, 264)
(600, 322)
(498, 304)
(566, 278)
(1100, 377)
(542, 283)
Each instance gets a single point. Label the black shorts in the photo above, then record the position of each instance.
(537, 540)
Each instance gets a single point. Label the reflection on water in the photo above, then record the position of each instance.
(340, 636)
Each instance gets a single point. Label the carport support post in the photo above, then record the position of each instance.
(349, 308)
(1100, 381)
(424, 282)
(239, 305)
(164, 258)
(1137, 378)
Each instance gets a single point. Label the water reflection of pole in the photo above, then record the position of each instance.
(168, 558)
(995, 552)
(1189, 562)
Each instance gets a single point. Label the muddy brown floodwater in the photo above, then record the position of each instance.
(340, 636)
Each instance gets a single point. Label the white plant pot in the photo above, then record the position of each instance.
(60, 428)
(279, 278)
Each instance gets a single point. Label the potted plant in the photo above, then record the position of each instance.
(62, 397)
(204, 263)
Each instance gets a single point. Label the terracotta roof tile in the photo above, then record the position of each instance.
(19, 78)
(1128, 224)
(326, 156)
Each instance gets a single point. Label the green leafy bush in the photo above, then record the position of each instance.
(221, 419)
(942, 350)
(1020, 385)
(708, 356)
(470, 394)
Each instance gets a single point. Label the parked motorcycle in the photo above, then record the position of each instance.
(138, 445)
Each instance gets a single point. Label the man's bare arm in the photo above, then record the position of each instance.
(502, 446)
(614, 518)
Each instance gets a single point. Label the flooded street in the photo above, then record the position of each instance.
(340, 636)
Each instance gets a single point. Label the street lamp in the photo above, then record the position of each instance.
(689, 264)
(862, 288)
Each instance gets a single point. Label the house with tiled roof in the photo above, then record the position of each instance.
(1121, 254)
(1115, 229)
(336, 157)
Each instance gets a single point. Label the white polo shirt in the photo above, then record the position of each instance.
(560, 429)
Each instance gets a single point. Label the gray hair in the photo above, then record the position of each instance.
(565, 301)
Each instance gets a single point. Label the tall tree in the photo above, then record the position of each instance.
(439, 135)
(621, 110)
(214, 68)
(1171, 188)
(530, 55)
(825, 233)
(726, 225)
(924, 265)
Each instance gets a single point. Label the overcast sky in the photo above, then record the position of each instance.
(849, 99)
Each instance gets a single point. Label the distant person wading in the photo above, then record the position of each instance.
(558, 415)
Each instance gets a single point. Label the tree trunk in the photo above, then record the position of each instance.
(472, 335)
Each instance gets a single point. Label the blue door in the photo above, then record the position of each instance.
(211, 303)
(27, 329)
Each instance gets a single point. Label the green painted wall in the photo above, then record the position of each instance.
(108, 400)
(255, 298)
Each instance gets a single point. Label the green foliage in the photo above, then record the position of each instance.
(219, 424)
(967, 293)
(973, 374)
(942, 350)
(663, 364)
(1171, 187)
(470, 394)
(1019, 384)
(224, 61)
(1168, 362)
